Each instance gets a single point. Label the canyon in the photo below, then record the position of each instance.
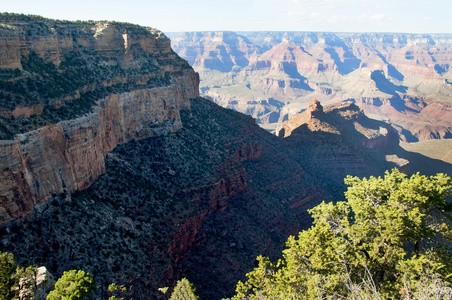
(69, 155)
(112, 163)
(201, 202)
(403, 79)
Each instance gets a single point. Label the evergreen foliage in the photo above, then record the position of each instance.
(7, 269)
(74, 284)
(114, 288)
(16, 282)
(390, 240)
(25, 283)
(184, 290)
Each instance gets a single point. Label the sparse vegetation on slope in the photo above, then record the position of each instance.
(63, 79)
(170, 206)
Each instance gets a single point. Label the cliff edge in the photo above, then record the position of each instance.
(73, 91)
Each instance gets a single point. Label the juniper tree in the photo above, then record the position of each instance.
(184, 290)
(391, 235)
(74, 284)
(7, 269)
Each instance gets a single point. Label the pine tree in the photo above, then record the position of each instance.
(184, 290)
(7, 269)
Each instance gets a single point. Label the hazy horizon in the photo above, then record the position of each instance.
(354, 16)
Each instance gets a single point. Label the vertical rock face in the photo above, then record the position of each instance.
(314, 109)
(344, 120)
(51, 39)
(10, 49)
(70, 155)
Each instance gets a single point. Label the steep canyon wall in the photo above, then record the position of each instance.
(69, 154)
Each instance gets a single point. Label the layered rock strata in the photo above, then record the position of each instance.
(69, 155)
(51, 39)
(340, 140)
(386, 74)
(53, 70)
(70, 92)
(344, 121)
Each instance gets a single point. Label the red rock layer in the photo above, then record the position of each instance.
(70, 155)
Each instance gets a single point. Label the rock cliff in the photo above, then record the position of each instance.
(341, 121)
(52, 39)
(339, 139)
(69, 155)
(56, 70)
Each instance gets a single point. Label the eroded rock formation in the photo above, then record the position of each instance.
(387, 75)
(69, 155)
(193, 193)
(341, 120)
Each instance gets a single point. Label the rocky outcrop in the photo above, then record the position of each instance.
(70, 155)
(20, 35)
(34, 284)
(314, 109)
(175, 204)
(107, 83)
(55, 70)
(338, 140)
(310, 118)
(349, 135)
(27, 112)
(10, 48)
(186, 238)
(345, 121)
(201, 203)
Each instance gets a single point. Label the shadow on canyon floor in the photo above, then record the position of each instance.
(424, 164)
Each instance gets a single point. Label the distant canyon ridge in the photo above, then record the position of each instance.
(403, 79)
